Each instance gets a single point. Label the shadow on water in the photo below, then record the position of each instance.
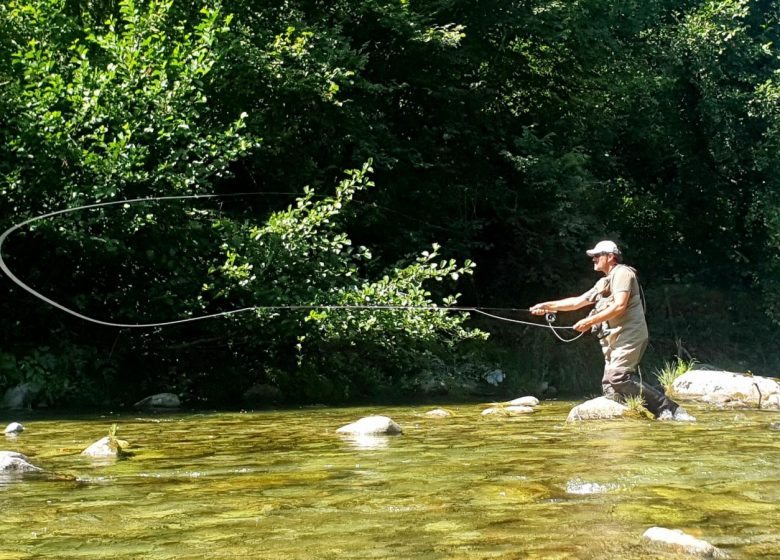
(282, 484)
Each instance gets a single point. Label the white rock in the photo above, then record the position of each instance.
(160, 400)
(600, 408)
(11, 461)
(682, 542)
(13, 428)
(438, 413)
(525, 401)
(728, 388)
(103, 448)
(371, 425)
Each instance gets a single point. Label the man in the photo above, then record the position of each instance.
(618, 320)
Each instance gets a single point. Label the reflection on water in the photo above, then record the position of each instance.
(362, 441)
(283, 484)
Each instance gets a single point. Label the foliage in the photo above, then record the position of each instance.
(59, 375)
(113, 108)
(672, 370)
(392, 320)
(505, 133)
(116, 444)
(636, 407)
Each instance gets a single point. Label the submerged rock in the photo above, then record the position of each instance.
(160, 400)
(13, 428)
(438, 413)
(371, 425)
(682, 542)
(600, 408)
(13, 462)
(511, 410)
(728, 389)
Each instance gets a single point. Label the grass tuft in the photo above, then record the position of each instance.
(672, 370)
(636, 408)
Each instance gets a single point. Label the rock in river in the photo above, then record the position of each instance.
(438, 413)
(525, 401)
(728, 389)
(106, 447)
(511, 410)
(682, 542)
(13, 428)
(600, 408)
(13, 462)
(371, 425)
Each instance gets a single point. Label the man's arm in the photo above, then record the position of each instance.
(566, 304)
(614, 309)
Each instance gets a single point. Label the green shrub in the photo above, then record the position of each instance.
(672, 370)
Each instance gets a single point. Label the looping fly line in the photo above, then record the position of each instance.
(4, 267)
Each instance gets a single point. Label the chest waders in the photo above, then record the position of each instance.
(623, 347)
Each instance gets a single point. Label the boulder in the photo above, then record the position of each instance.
(600, 408)
(21, 396)
(13, 428)
(525, 401)
(262, 393)
(160, 400)
(13, 462)
(106, 447)
(371, 425)
(682, 542)
(495, 377)
(728, 389)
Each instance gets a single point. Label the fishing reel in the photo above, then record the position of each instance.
(601, 330)
(550, 317)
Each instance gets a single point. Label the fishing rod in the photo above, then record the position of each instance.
(549, 317)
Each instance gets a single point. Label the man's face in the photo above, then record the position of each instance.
(601, 262)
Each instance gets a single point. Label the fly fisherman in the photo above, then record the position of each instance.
(618, 320)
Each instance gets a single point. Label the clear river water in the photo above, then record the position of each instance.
(283, 484)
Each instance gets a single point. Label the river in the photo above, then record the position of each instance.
(282, 484)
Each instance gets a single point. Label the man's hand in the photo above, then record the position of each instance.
(582, 325)
(538, 309)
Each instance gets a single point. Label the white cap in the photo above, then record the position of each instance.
(604, 247)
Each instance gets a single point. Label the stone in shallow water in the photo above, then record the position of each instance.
(728, 389)
(438, 413)
(508, 410)
(682, 542)
(106, 447)
(13, 462)
(600, 408)
(371, 425)
(525, 401)
(13, 428)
